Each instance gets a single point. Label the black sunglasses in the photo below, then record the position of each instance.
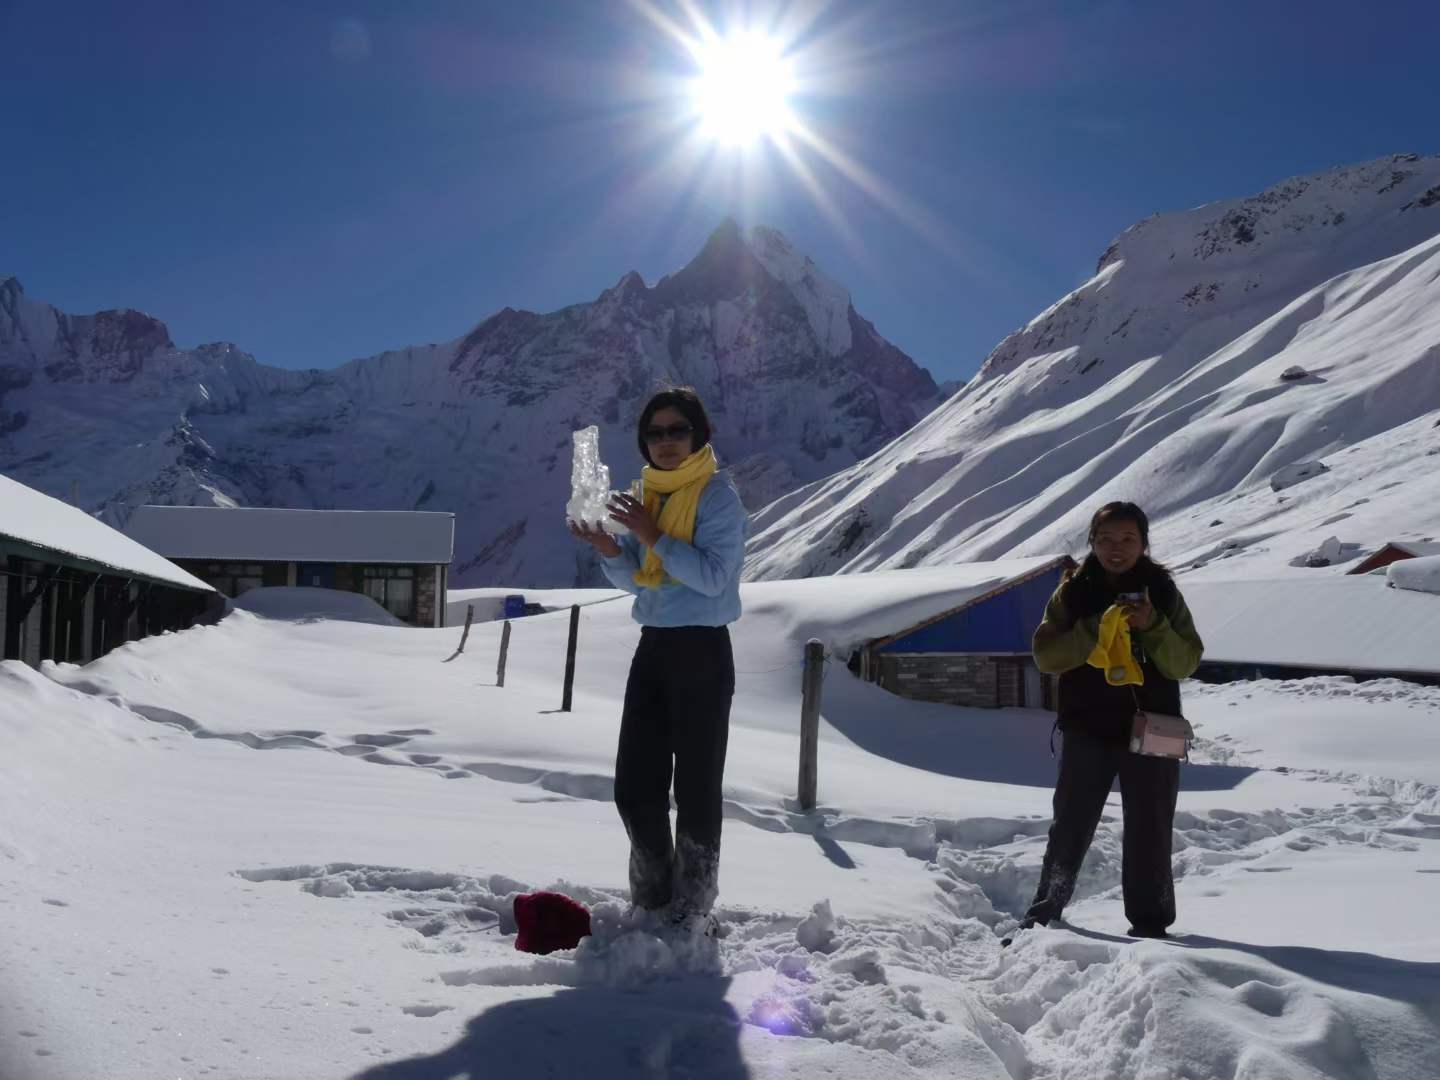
(672, 433)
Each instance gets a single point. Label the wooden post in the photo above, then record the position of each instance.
(570, 657)
(504, 651)
(469, 614)
(810, 721)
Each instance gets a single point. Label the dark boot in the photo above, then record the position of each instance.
(1147, 932)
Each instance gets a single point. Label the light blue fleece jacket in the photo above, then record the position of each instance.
(702, 579)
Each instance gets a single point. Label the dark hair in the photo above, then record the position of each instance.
(686, 402)
(1121, 511)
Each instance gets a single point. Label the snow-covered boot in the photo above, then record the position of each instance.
(697, 875)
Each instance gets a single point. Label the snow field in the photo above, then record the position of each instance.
(178, 903)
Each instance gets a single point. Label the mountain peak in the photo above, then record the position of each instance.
(728, 229)
(631, 284)
(9, 283)
(724, 269)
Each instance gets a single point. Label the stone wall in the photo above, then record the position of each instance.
(426, 598)
(988, 682)
(949, 678)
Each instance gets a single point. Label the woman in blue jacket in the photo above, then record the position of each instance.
(682, 562)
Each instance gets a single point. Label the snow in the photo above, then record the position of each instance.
(826, 302)
(1416, 548)
(1351, 623)
(285, 845)
(1311, 724)
(846, 612)
(48, 523)
(301, 602)
(265, 534)
(1294, 474)
(1418, 575)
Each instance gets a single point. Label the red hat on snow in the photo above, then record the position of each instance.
(547, 921)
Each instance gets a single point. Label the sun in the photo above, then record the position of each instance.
(742, 91)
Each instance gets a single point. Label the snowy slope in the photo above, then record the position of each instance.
(287, 849)
(798, 383)
(1215, 353)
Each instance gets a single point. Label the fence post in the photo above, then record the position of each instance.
(469, 614)
(504, 650)
(810, 721)
(570, 657)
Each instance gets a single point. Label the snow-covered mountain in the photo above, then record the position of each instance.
(1261, 374)
(106, 408)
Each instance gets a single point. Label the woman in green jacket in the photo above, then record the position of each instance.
(1095, 717)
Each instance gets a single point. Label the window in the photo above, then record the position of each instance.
(232, 579)
(393, 588)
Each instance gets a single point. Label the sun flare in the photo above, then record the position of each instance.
(742, 91)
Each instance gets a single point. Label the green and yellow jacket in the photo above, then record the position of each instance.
(1168, 650)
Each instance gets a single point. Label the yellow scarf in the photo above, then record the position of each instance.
(683, 484)
(1112, 653)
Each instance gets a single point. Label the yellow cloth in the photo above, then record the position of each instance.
(1112, 653)
(683, 484)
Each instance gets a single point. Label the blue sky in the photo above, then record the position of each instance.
(317, 181)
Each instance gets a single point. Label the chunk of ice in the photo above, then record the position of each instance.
(590, 492)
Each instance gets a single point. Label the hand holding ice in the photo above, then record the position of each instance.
(590, 484)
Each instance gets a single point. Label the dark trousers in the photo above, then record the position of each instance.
(1148, 788)
(676, 724)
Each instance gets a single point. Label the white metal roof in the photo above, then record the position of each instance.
(37, 519)
(265, 534)
(1317, 620)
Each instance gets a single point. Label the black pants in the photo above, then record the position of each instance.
(676, 723)
(1148, 788)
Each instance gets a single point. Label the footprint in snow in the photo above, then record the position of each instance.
(379, 740)
(426, 1010)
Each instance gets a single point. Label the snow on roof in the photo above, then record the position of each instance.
(265, 534)
(845, 610)
(1320, 621)
(1419, 575)
(34, 518)
(1418, 548)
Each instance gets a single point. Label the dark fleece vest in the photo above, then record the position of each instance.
(1087, 702)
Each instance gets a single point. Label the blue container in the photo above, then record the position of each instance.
(514, 607)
